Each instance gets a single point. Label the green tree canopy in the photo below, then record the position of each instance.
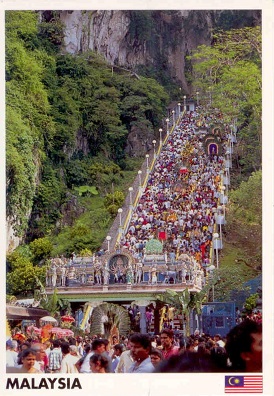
(246, 201)
(21, 278)
(229, 72)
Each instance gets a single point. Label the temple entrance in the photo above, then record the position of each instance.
(120, 268)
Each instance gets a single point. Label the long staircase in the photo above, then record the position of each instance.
(160, 270)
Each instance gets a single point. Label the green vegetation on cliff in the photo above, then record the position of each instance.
(68, 118)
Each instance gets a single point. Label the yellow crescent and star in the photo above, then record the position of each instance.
(235, 382)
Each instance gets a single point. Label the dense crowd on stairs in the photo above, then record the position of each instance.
(177, 204)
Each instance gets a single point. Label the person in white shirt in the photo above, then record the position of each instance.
(98, 346)
(140, 346)
(11, 353)
(69, 360)
(125, 362)
(118, 349)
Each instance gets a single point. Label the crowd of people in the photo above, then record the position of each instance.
(239, 351)
(178, 203)
(177, 206)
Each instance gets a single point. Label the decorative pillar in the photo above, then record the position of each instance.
(142, 304)
(143, 327)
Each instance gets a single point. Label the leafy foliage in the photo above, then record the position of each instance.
(85, 253)
(113, 201)
(246, 201)
(231, 71)
(26, 114)
(63, 113)
(41, 249)
(21, 278)
(230, 278)
(251, 302)
(82, 190)
(184, 302)
(56, 306)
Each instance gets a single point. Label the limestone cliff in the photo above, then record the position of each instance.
(154, 38)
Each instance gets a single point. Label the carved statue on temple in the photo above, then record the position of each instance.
(53, 276)
(139, 272)
(129, 274)
(106, 274)
(153, 276)
(98, 274)
(63, 275)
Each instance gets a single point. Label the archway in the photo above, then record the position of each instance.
(119, 264)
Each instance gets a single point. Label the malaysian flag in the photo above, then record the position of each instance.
(244, 384)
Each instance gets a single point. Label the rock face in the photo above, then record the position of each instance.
(159, 39)
(129, 39)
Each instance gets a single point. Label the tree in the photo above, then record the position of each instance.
(64, 113)
(251, 303)
(184, 302)
(246, 201)
(41, 249)
(113, 201)
(231, 70)
(55, 305)
(27, 115)
(229, 279)
(22, 274)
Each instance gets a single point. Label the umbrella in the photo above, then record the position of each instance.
(48, 319)
(67, 318)
(61, 332)
(33, 329)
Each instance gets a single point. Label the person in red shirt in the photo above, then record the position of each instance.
(167, 339)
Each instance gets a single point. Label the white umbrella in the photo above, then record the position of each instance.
(48, 319)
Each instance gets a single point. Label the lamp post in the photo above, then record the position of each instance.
(223, 197)
(140, 177)
(232, 136)
(184, 102)
(197, 94)
(228, 149)
(147, 157)
(130, 189)
(108, 238)
(154, 152)
(227, 175)
(179, 109)
(220, 219)
(173, 117)
(210, 270)
(120, 210)
(234, 131)
(160, 132)
(231, 145)
(226, 180)
(228, 162)
(215, 247)
(167, 125)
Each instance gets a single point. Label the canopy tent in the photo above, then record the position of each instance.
(48, 319)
